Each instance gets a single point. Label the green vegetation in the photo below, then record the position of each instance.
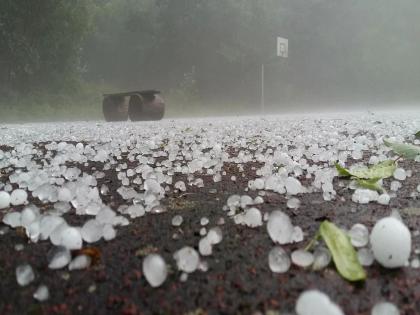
(343, 253)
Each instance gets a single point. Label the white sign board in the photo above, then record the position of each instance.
(282, 47)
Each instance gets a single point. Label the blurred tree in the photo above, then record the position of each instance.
(40, 43)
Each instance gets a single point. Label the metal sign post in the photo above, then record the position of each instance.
(282, 51)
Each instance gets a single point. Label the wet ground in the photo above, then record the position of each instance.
(238, 281)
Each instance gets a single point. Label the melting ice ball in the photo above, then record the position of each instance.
(316, 302)
(4, 200)
(391, 242)
(155, 270)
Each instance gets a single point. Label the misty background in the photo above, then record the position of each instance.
(57, 57)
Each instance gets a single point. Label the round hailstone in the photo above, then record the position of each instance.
(155, 270)
(109, 232)
(365, 257)
(55, 236)
(64, 194)
(4, 200)
(204, 221)
(205, 247)
(13, 219)
(24, 274)
(80, 262)
(280, 227)
(293, 203)
(252, 217)
(259, 183)
(187, 259)
(59, 257)
(385, 308)
(293, 186)
(47, 224)
(302, 258)
(92, 231)
(42, 293)
(180, 185)
(278, 260)
(177, 220)
(18, 197)
(400, 174)
(71, 238)
(28, 215)
(135, 211)
(364, 196)
(215, 235)
(316, 302)
(418, 189)
(391, 242)
(322, 258)
(359, 235)
(384, 199)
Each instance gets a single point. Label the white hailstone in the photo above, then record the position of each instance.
(384, 199)
(158, 209)
(13, 219)
(293, 186)
(280, 227)
(297, 235)
(18, 197)
(259, 184)
(400, 174)
(278, 260)
(106, 216)
(180, 185)
(395, 185)
(258, 200)
(365, 256)
(187, 259)
(24, 274)
(135, 211)
(252, 217)
(215, 235)
(92, 231)
(104, 190)
(64, 194)
(293, 203)
(364, 196)
(177, 220)
(385, 308)
(42, 293)
(4, 199)
(418, 189)
(33, 231)
(322, 258)
(155, 270)
(233, 178)
(183, 277)
(59, 258)
(205, 247)
(246, 201)
(56, 234)
(108, 232)
(313, 302)
(47, 224)
(80, 262)
(217, 178)
(203, 266)
(203, 231)
(234, 201)
(391, 242)
(359, 235)
(28, 215)
(302, 258)
(71, 238)
(204, 221)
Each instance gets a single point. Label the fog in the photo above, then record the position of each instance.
(206, 56)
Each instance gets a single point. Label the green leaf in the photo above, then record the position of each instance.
(342, 171)
(371, 184)
(383, 169)
(417, 135)
(408, 151)
(344, 255)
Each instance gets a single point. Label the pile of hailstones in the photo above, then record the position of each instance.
(389, 242)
